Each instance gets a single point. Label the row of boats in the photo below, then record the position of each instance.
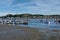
(25, 22)
(48, 22)
(13, 22)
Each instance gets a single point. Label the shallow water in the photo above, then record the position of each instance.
(37, 23)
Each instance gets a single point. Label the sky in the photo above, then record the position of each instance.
(29, 6)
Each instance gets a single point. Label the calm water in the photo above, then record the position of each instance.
(37, 23)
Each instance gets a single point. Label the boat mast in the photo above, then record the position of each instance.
(56, 19)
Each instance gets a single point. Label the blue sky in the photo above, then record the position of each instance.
(29, 6)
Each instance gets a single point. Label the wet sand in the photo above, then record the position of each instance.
(11, 32)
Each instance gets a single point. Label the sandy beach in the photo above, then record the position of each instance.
(10, 32)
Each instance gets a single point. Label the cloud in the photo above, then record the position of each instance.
(33, 6)
(47, 6)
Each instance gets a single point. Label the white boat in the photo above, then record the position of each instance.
(47, 22)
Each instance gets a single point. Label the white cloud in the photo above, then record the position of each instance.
(42, 6)
(48, 6)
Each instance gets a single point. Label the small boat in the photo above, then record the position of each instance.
(25, 23)
(41, 20)
(58, 21)
(46, 22)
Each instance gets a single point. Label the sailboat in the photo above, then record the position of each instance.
(46, 21)
(57, 20)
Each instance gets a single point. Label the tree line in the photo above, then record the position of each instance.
(31, 16)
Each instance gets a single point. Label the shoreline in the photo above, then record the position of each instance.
(15, 26)
(11, 32)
